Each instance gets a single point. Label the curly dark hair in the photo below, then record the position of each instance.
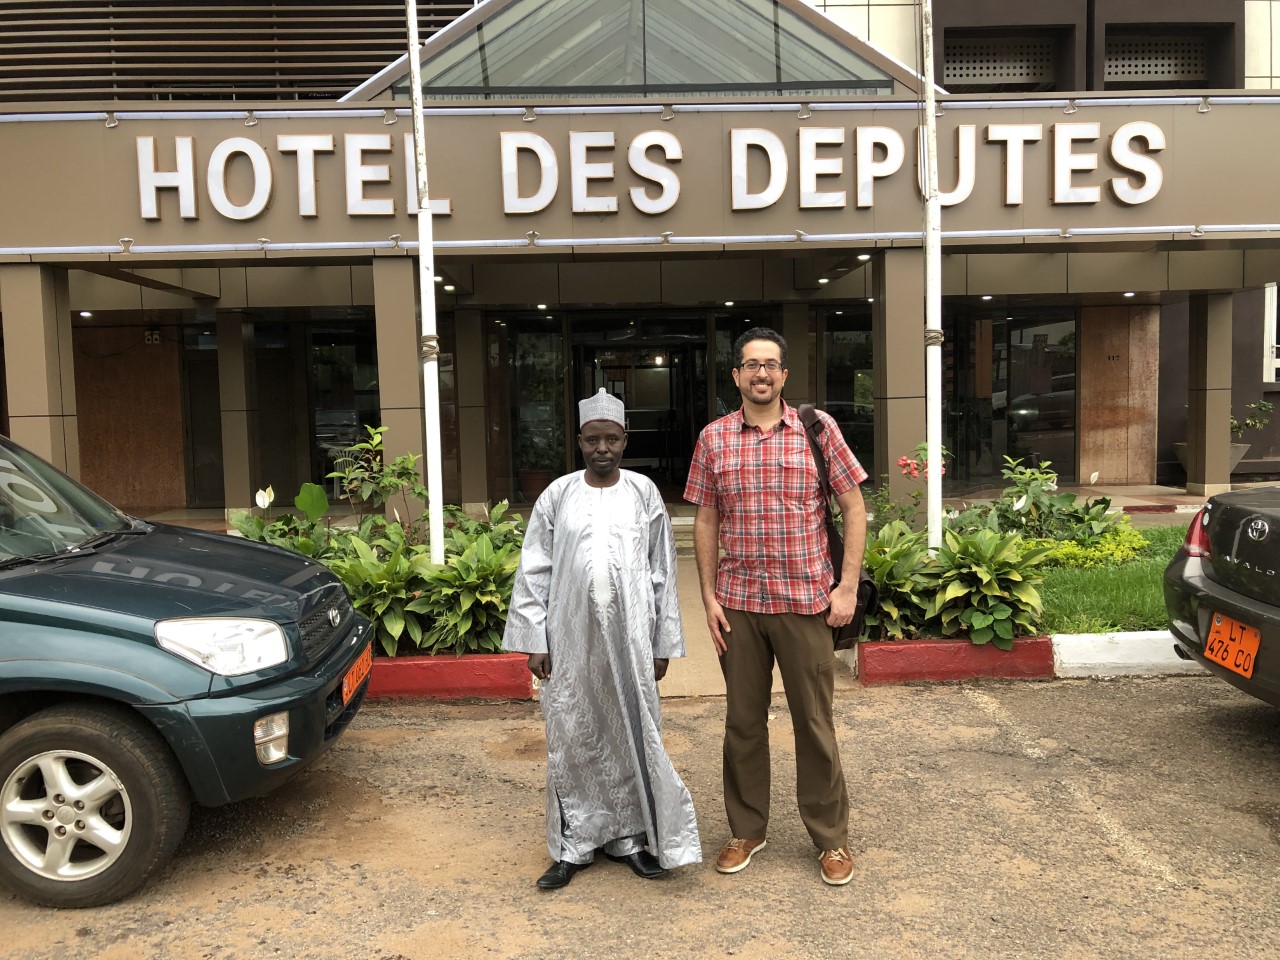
(760, 333)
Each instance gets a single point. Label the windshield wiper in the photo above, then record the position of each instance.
(7, 562)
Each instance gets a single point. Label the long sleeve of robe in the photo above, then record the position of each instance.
(596, 590)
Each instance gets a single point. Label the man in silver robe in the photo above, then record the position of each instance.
(595, 607)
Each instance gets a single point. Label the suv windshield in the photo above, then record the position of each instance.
(44, 512)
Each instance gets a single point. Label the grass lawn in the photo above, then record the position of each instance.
(1107, 599)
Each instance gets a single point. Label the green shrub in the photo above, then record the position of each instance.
(383, 578)
(898, 558)
(987, 586)
(1117, 546)
(465, 600)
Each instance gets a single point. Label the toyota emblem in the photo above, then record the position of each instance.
(334, 617)
(1258, 529)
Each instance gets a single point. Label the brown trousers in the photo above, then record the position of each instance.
(802, 647)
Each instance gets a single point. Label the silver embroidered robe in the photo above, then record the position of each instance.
(596, 590)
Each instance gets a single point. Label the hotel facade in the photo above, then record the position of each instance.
(209, 286)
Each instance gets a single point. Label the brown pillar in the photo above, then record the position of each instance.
(473, 425)
(796, 328)
(39, 367)
(238, 402)
(897, 334)
(395, 307)
(1209, 394)
(1117, 393)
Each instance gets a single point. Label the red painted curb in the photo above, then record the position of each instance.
(447, 677)
(902, 660)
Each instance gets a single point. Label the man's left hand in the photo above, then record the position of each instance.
(659, 668)
(844, 601)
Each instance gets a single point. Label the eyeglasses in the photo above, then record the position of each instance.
(751, 366)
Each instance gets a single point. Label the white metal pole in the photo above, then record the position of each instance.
(429, 344)
(932, 289)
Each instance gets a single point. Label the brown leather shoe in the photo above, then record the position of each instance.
(837, 866)
(736, 854)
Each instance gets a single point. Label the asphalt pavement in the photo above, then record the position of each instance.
(1073, 819)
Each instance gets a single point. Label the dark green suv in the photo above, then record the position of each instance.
(142, 667)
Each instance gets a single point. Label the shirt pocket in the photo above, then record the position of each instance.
(797, 479)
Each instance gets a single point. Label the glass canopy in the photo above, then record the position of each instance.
(645, 48)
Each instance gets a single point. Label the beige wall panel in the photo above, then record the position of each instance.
(164, 300)
(852, 18)
(689, 281)
(235, 288)
(796, 327)
(299, 286)
(473, 465)
(955, 275)
(395, 313)
(515, 284)
(1257, 38)
(1103, 394)
(92, 291)
(131, 419)
(1144, 384)
(1206, 269)
(1116, 272)
(361, 285)
(1017, 273)
(602, 282)
(1261, 267)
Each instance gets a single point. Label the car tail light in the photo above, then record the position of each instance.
(1196, 542)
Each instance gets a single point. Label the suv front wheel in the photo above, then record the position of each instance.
(92, 803)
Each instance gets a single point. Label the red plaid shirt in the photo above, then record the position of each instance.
(766, 489)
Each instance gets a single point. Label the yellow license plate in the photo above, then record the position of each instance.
(1232, 644)
(356, 675)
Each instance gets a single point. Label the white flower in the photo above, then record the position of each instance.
(1093, 478)
(1020, 502)
(264, 497)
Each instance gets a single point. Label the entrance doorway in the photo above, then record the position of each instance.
(663, 384)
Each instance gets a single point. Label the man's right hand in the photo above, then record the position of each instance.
(718, 624)
(540, 665)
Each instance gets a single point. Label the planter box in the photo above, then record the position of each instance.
(447, 677)
(902, 660)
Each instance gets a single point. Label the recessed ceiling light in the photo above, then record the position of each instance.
(449, 288)
(864, 256)
(439, 279)
(839, 313)
(542, 306)
(85, 313)
(1129, 293)
(728, 303)
(823, 280)
(986, 296)
(871, 299)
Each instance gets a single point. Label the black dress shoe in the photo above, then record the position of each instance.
(642, 863)
(560, 874)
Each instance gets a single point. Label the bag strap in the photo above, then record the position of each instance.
(813, 427)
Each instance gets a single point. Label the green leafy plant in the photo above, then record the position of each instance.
(368, 481)
(898, 559)
(308, 534)
(1256, 420)
(383, 578)
(465, 600)
(1033, 506)
(987, 586)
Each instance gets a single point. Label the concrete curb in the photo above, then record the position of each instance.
(1146, 653)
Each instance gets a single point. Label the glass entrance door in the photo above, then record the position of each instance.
(663, 386)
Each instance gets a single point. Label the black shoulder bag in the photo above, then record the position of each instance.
(868, 593)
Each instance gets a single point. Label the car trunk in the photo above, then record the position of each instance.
(1244, 537)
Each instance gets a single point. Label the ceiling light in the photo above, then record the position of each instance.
(986, 296)
(728, 303)
(449, 288)
(823, 280)
(839, 313)
(542, 306)
(658, 359)
(1129, 293)
(439, 279)
(864, 256)
(85, 313)
(871, 299)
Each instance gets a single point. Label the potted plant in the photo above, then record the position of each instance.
(1258, 417)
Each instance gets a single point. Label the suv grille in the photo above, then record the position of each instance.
(319, 633)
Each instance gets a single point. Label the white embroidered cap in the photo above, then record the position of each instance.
(603, 406)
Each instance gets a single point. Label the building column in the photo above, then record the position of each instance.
(897, 338)
(39, 365)
(1209, 394)
(238, 405)
(796, 328)
(395, 307)
(473, 425)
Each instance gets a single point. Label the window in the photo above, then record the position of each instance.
(1270, 343)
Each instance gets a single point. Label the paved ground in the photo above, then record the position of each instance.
(1069, 819)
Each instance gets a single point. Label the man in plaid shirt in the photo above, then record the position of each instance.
(768, 597)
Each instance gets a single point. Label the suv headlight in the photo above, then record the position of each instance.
(225, 646)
